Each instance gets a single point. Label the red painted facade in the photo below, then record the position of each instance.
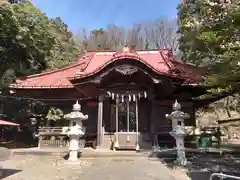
(100, 80)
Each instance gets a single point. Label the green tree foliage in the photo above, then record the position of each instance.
(65, 49)
(19, 110)
(30, 42)
(210, 37)
(54, 114)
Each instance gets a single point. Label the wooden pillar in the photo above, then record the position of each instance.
(116, 144)
(100, 133)
(151, 103)
(151, 98)
(137, 130)
(128, 115)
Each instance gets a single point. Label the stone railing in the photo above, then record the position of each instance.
(53, 143)
(56, 142)
(55, 137)
(51, 130)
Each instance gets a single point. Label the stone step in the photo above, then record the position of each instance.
(85, 153)
(108, 141)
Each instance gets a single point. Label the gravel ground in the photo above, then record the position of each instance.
(55, 168)
(180, 173)
(41, 167)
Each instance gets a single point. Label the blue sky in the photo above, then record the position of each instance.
(92, 14)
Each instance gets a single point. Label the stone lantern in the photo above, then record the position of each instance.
(75, 131)
(178, 131)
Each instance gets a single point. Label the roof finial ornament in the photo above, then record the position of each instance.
(126, 49)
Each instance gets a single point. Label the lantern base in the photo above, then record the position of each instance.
(73, 155)
(137, 147)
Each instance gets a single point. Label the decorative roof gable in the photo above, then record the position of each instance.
(160, 61)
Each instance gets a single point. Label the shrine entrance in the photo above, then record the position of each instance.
(125, 119)
(126, 105)
(127, 116)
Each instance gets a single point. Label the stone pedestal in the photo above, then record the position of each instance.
(73, 147)
(181, 155)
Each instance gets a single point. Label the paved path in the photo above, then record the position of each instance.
(53, 168)
(127, 169)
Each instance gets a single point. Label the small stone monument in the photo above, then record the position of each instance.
(75, 130)
(178, 131)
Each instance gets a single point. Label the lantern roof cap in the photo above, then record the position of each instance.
(76, 106)
(176, 106)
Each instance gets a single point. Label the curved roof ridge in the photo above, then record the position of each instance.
(116, 57)
(117, 50)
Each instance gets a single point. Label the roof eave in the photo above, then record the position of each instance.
(41, 87)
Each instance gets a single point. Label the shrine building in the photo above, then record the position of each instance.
(125, 94)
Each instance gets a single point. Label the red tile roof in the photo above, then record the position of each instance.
(8, 123)
(93, 62)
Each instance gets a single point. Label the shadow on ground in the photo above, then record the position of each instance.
(8, 172)
(203, 163)
(79, 155)
(17, 145)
